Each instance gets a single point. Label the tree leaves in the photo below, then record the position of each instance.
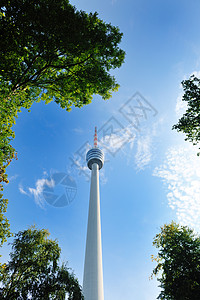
(33, 271)
(189, 123)
(56, 48)
(179, 261)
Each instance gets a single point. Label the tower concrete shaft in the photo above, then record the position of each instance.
(93, 272)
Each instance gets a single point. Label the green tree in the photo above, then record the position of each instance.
(50, 51)
(33, 271)
(189, 123)
(179, 261)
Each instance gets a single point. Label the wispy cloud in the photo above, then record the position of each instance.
(119, 140)
(22, 190)
(145, 144)
(114, 142)
(38, 190)
(181, 174)
(143, 154)
(181, 106)
(125, 140)
(103, 178)
(78, 164)
(12, 178)
(128, 136)
(78, 130)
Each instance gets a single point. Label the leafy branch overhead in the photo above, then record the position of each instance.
(54, 52)
(189, 123)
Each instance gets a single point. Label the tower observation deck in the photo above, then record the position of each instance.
(95, 155)
(93, 271)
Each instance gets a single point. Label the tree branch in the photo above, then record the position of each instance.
(38, 73)
(26, 71)
(70, 65)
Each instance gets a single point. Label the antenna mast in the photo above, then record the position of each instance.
(95, 138)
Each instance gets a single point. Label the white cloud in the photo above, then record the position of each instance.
(79, 165)
(143, 155)
(45, 173)
(181, 106)
(37, 191)
(102, 176)
(144, 142)
(114, 142)
(129, 136)
(181, 175)
(22, 191)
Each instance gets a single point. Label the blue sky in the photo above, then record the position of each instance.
(151, 175)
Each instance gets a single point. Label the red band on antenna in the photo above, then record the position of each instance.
(95, 138)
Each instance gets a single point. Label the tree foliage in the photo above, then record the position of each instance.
(50, 51)
(189, 123)
(33, 271)
(179, 261)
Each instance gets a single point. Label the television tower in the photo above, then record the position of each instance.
(93, 272)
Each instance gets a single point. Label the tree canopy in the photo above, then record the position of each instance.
(189, 123)
(50, 51)
(179, 261)
(34, 272)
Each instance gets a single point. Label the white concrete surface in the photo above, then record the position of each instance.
(93, 272)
